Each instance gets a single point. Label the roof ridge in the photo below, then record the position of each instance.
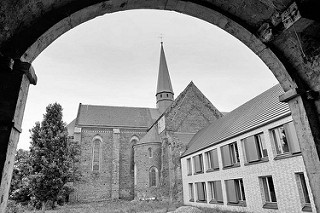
(117, 106)
(263, 108)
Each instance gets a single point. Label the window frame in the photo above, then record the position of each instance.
(212, 160)
(215, 192)
(304, 194)
(236, 187)
(204, 192)
(255, 143)
(189, 167)
(150, 154)
(96, 161)
(233, 155)
(291, 137)
(153, 178)
(195, 162)
(266, 193)
(191, 192)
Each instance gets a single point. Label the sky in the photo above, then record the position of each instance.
(114, 60)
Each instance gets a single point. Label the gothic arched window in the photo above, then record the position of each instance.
(96, 155)
(153, 176)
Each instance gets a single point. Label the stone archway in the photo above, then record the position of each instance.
(283, 33)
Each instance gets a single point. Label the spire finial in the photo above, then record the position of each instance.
(161, 38)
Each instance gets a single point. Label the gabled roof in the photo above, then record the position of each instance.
(70, 127)
(164, 81)
(93, 115)
(192, 89)
(151, 136)
(254, 113)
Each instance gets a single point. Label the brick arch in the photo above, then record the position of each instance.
(31, 42)
(293, 56)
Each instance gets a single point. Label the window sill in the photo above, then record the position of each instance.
(201, 201)
(216, 202)
(270, 206)
(197, 173)
(240, 203)
(233, 166)
(213, 170)
(287, 155)
(307, 207)
(191, 200)
(262, 160)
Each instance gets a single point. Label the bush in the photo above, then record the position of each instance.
(14, 207)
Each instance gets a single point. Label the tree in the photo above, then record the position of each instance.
(52, 157)
(20, 183)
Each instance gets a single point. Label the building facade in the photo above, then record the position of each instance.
(132, 152)
(249, 160)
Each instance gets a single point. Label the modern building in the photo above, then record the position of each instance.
(133, 152)
(249, 160)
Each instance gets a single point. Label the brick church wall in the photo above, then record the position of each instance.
(126, 170)
(187, 115)
(143, 164)
(112, 181)
(93, 186)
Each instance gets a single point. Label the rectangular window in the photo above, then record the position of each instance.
(189, 166)
(285, 139)
(303, 192)
(212, 160)
(191, 192)
(255, 148)
(268, 193)
(201, 192)
(235, 192)
(230, 155)
(215, 192)
(198, 164)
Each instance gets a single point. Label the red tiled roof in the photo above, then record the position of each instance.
(250, 115)
(92, 115)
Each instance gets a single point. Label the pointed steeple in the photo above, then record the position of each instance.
(164, 88)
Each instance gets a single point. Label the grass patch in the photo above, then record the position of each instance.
(116, 206)
(217, 210)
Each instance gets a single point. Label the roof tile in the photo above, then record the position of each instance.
(253, 113)
(93, 115)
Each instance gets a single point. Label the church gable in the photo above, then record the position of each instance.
(191, 111)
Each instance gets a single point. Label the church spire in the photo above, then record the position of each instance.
(164, 93)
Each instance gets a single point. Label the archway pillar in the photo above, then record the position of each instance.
(306, 121)
(15, 78)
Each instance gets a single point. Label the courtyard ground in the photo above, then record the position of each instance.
(114, 207)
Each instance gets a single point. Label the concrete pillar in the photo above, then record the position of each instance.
(15, 78)
(306, 121)
(115, 164)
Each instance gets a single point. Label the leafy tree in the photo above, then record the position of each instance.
(20, 183)
(52, 157)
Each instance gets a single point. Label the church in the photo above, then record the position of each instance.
(134, 152)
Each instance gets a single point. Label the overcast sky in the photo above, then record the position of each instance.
(114, 60)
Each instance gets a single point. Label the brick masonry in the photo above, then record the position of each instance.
(114, 179)
(190, 112)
